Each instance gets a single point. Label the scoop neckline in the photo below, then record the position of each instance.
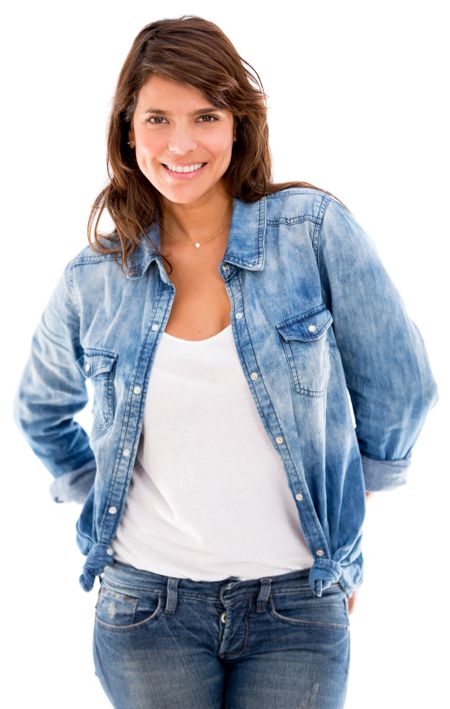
(194, 342)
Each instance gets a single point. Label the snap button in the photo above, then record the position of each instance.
(239, 316)
(320, 552)
(126, 452)
(254, 376)
(312, 328)
(110, 551)
(223, 617)
(155, 327)
(87, 367)
(226, 267)
(112, 510)
(299, 496)
(279, 439)
(137, 390)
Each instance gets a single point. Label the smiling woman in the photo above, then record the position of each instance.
(173, 109)
(180, 150)
(224, 481)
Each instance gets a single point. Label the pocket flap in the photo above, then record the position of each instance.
(94, 362)
(306, 327)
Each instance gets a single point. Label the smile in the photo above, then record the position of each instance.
(185, 168)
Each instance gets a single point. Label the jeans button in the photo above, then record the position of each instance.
(223, 617)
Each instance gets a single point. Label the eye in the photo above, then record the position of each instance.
(208, 116)
(157, 119)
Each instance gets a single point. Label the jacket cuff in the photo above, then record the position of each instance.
(384, 474)
(73, 486)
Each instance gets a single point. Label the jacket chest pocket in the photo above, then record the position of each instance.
(97, 367)
(305, 344)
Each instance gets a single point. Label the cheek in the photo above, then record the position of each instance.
(147, 142)
(146, 153)
(145, 162)
(140, 161)
(221, 144)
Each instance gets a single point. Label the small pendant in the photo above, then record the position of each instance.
(197, 244)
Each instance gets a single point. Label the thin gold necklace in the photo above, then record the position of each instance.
(196, 244)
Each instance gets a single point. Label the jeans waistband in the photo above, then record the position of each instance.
(124, 577)
(128, 576)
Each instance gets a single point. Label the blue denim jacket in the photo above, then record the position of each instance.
(317, 323)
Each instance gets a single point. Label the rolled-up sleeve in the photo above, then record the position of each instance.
(51, 391)
(386, 366)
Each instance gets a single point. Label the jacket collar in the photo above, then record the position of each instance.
(245, 246)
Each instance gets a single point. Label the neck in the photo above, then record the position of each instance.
(200, 219)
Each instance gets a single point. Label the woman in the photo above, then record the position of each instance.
(222, 325)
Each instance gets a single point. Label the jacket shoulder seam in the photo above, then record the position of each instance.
(293, 220)
(88, 260)
(315, 237)
(306, 212)
(294, 190)
(71, 288)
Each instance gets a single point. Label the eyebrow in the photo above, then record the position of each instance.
(160, 112)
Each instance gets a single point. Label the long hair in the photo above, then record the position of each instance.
(193, 51)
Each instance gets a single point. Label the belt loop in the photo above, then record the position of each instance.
(171, 602)
(264, 593)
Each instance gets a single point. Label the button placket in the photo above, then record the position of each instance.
(133, 419)
(271, 422)
(254, 376)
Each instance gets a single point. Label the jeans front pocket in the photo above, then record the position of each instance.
(97, 367)
(305, 343)
(120, 610)
(305, 609)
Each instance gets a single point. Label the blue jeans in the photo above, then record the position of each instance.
(267, 643)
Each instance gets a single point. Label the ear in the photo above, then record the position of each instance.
(131, 142)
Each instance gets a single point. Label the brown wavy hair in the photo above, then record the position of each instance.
(193, 51)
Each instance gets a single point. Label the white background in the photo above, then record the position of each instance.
(358, 96)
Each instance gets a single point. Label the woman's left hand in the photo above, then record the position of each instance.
(352, 599)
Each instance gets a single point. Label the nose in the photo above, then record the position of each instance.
(181, 141)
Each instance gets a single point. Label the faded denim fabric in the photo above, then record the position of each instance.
(315, 318)
(161, 641)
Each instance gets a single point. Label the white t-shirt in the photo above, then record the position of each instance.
(209, 497)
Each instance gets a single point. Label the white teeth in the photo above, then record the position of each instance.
(186, 168)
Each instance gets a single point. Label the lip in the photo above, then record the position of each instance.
(184, 164)
(183, 175)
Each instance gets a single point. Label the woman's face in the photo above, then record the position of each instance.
(175, 126)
